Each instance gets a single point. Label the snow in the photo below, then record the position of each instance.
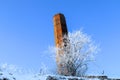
(74, 54)
(17, 76)
(30, 76)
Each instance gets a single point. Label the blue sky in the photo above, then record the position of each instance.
(26, 31)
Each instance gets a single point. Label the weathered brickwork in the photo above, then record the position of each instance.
(60, 28)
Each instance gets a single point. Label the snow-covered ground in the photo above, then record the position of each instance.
(38, 77)
(12, 72)
(4, 75)
(16, 76)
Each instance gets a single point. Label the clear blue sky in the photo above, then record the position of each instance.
(26, 30)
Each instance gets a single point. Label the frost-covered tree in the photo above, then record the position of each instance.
(76, 50)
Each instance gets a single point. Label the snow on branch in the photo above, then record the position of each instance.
(77, 50)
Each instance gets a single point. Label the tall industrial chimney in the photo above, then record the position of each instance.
(60, 29)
